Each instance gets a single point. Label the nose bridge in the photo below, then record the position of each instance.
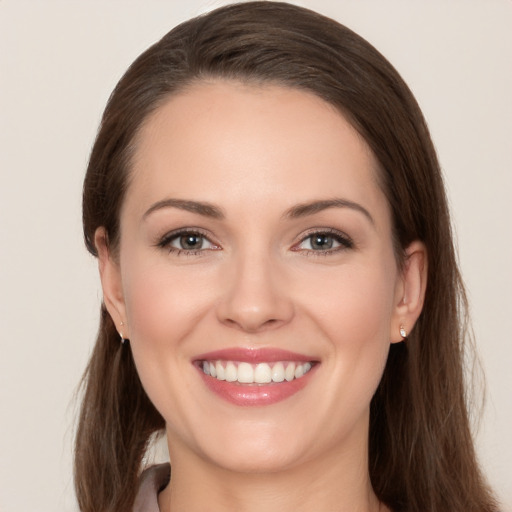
(254, 296)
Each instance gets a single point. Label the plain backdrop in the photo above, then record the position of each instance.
(59, 60)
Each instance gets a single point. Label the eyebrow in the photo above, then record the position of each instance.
(202, 208)
(305, 209)
(298, 211)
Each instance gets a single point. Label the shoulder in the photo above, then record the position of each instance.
(151, 482)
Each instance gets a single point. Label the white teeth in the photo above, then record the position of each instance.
(278, 372)
(261, 373)
(289, 373)
(221, 374)
(245, 373)
(231, 372)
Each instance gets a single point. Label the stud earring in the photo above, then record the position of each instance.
(123, 339)
(403, 332)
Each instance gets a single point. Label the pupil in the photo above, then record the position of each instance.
(322, 242)
(190, 242)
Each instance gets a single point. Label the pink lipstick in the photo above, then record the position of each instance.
(255, 377)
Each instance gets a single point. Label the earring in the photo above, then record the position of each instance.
(403, 332)
(123, 339)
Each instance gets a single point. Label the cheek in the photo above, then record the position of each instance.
(164, 305)
(357, 304)
(355, 313)
(163, 302)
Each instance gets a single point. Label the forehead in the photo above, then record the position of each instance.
(219, 141)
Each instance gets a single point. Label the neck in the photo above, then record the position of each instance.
(339, 483)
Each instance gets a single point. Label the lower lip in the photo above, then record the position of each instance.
(255, 394)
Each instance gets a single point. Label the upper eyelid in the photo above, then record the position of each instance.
(180, 231)
(327, 231)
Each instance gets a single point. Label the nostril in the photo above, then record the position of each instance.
(252, 325)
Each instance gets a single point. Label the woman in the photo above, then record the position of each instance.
(274, 242)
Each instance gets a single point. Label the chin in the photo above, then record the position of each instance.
(257, 461)
(255, 448)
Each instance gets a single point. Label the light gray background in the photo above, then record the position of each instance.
(58, 64)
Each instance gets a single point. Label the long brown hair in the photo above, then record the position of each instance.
(421, 451)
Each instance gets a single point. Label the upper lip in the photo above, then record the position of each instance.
(253, 355)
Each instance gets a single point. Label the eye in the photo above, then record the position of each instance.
(324, 241)
(188, 242)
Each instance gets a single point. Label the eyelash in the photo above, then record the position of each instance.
(344, 241)
(169, 238)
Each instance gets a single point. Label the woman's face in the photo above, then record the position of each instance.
(255, 239)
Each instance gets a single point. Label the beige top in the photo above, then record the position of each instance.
(152, 481)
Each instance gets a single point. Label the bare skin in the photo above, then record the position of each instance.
(254, 219)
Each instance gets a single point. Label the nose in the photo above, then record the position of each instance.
(255, 297)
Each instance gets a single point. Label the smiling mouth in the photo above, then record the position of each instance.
(255, 376)
(261, 373)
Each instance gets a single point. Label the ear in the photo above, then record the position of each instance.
(110, 275)
(410, 291)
